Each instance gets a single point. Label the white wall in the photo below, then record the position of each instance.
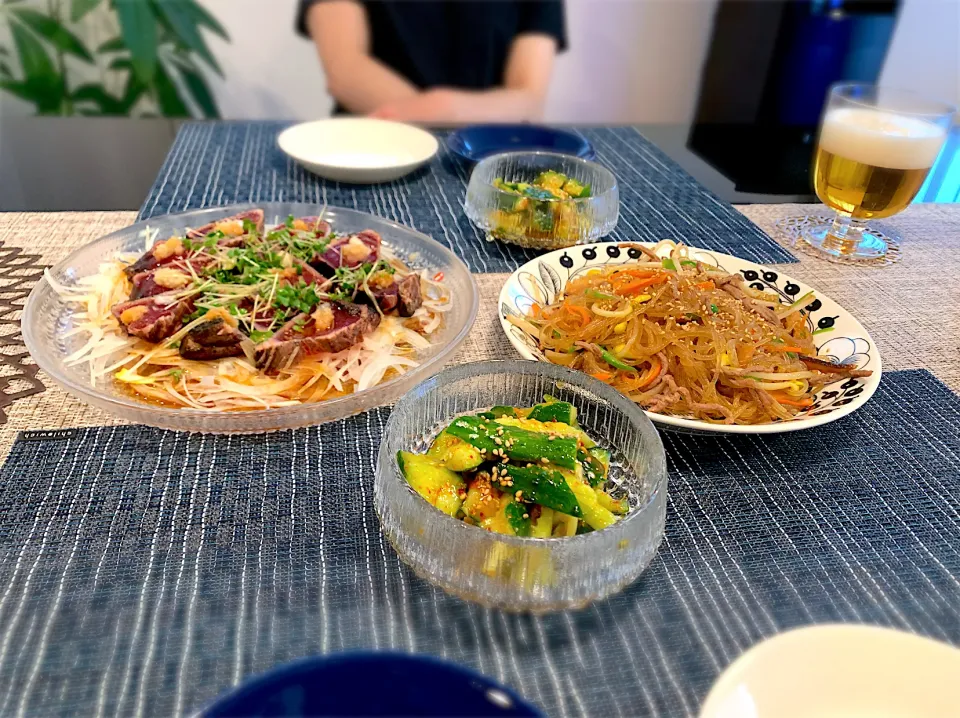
(631, 61)
(270, 71)
(925, 52)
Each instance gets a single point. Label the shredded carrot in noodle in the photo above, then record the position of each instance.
(686, 339)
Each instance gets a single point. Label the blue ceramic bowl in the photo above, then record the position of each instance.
(371, 684)
(479, 141)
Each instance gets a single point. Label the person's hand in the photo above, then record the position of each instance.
(440, 105)
(447, 106)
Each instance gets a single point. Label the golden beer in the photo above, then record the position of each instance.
(871, 163)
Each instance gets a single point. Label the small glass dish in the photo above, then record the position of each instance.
(48, 318)
(541, 223)
(511, 572)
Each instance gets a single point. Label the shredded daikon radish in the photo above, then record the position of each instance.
(158, 373)
(149, 236)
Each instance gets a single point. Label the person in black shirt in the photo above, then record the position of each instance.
(437, 61)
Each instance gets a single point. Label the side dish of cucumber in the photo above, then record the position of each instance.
(522, 472)
(540, 208)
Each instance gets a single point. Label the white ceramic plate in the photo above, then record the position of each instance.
(360, 150)
(835, 671)
(838, 336)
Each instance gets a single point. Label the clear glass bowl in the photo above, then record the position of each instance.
(510, 572)
(570, 221)
(46, 319)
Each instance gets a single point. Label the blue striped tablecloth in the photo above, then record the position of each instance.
(221, 163)
(142, 572)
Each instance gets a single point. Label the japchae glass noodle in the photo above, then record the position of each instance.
(682, 337)
(231, 317)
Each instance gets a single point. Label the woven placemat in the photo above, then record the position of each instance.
(19, 271)
(144, 571)
(908, 308)
(219, 163)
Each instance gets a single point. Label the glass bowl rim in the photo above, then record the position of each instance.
(589, 164)
(633, 412)
(119, 405)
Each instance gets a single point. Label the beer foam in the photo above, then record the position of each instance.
(881, 139)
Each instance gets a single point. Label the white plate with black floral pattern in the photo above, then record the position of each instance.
(838, 336)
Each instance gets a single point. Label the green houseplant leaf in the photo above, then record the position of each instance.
(201, 93)
(168, 99)
(41, 81)
(107, 103)
(114, 45)
(139, 31)
(20, 89)
(79, 8)
(175, 15)
(204, 19)
(183, 67)
(132, 93)
(135, 88)
(174, 76)
(59, 36)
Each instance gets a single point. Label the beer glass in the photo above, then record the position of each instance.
(875, 149)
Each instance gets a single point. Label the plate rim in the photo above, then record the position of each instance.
(283, 142)
(871, 384)
(299, 667)
(737, 670)
(90, 395)
(590, 150)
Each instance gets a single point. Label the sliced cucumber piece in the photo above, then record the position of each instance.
(537, 485)
(560, 411)
(455, 454)
(438, 485)
(498, 440)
